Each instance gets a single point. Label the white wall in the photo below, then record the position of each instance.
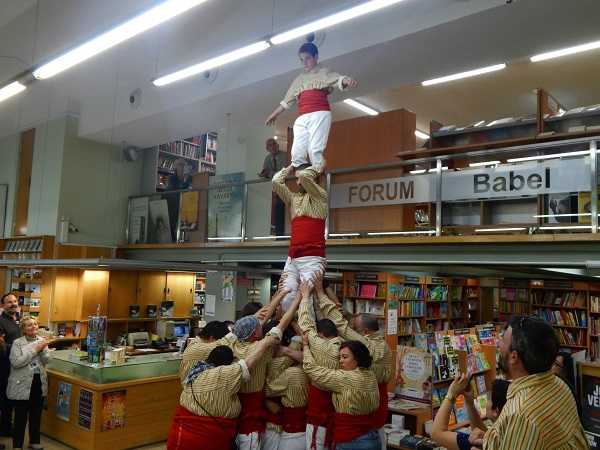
(9, 155)
(96, 184)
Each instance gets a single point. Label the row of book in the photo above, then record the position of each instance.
(367, 290)
(438, 293)
(569, 337)
(411, 309)
(455, 293)
(438, 325)
(411, 293)
(594, 303)
(571, 299)
(513, 308)
(595, 326)
(513, 294)
(562, 317)
(437, 311)
(182, 148)
(411, 326)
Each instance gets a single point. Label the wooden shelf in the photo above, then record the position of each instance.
(366, 298)
(410, 317)
(174, 155)
(568, 326)
(594, 312)
(417, 300)
(578, 308)
(437, 318)
(573, 346)
(27, 280)
(436, 301)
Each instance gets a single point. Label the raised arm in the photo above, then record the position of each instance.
(306, 179)
(261, 348)
(290, 313)
(333, 313)
(439, 432)
(279, 186)
(266, 312)
(326, 379)
(287, 102)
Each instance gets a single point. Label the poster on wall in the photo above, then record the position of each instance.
(113, 410)
(590, 409)
(225, 206)
(559, 208)
(413, 374)
(63, 401)
(138, 220)
(209, 308)
(160, 224)
(584, 206)
(188, 214)
(84, 415)
(227, 286)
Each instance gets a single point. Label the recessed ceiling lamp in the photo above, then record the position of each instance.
(421, 135)
(331, 20)
(361, 107)
(566, 51)
(458, 76)
(145, 21)
(213, 63)
(11, 89)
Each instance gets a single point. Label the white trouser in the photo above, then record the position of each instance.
(320, 439)
(311, 131)
(305, 268)
(248, 441)
(270, 440)
(292, 441)
(383, 438)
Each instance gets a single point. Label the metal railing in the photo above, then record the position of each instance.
(580, 154)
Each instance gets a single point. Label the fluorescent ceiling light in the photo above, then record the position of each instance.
(270, 237)
(458, 76)
(331, 20)
(478, 124)
(484, 163)
(145, 21)
(361, 107)
(11, 89)
(418, 171)
(542, 216)
(212, 63)
(224, 238)
(574, 227)
(421, 135)
(344, 234)
(566, 51)
(555, 155)
(400, 233)
(492, 230)
(435, 169)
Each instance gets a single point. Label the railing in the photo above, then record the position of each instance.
(533, 189)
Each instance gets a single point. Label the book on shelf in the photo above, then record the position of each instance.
(481, 404)
(594, 303)
(460, 409)
(456, 293)
(571, 299)
(480, 384)
(368, 290)
(411, 309)
(411, 326)
(438, 293)
(487, 334)
(411, 293)
(572, 337)
(564, 318)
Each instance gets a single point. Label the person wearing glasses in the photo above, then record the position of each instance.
(540, 411)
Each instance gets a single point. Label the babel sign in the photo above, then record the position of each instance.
(510, 180)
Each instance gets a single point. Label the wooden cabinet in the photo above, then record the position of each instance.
(180, 289)
(65, 301)
(94, 292)
(122, 292)
(152, 288)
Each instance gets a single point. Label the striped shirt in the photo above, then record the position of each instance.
(214, 392)
(318, 77)
(353, 391)
(291, 385)
(541, 414)
(380, 352)
(197, 350)
(326, 352)
(258, 373)
(313, 203)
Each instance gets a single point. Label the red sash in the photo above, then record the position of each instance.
(275, 419)
(313, 100)
(294, 420)
(319, 413)
(381, 415)
(347, 427)
(308, 237)
(253, 416)
(191, 432)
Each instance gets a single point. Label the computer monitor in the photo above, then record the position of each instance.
(181, 329)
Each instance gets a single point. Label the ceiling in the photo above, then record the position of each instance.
(388, 52)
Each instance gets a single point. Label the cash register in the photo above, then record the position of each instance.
(140, 339)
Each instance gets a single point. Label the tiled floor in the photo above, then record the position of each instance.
(50, 444)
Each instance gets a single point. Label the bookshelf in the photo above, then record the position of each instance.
(512, 299)
(199, 301)
(437, 304)
(594, 320)
(38, 247)
(565, 305)
(198, 153)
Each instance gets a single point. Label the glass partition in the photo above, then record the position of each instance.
(534, 189)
